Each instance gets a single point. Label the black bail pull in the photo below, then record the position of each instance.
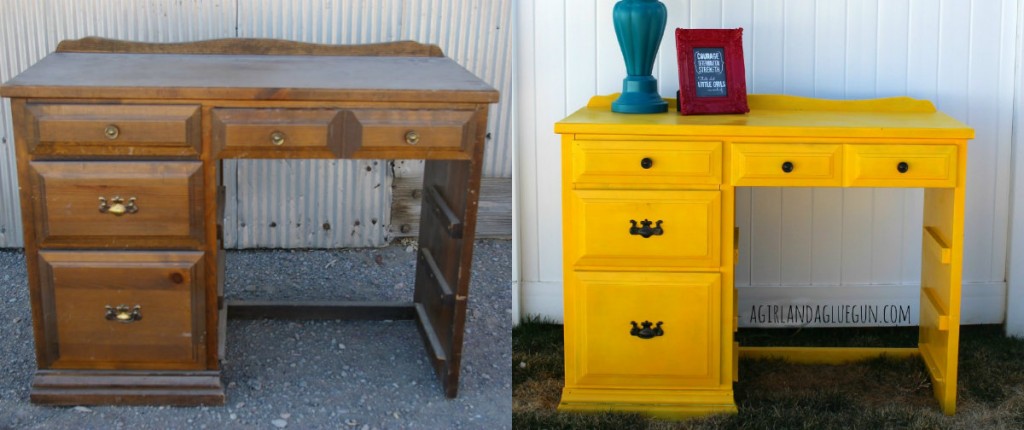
(645, 230)
(647, 332)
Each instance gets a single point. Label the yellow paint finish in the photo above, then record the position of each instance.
(672, 163)
(876, 165)
(690, 221)
(686, 355)
(819, 355)
(761, 164)
(685, 277)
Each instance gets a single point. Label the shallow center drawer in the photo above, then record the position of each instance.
(884, 165)
(118, 204)
(645, 229)
(123, 310)
(630, 164)
(277, 133)
(646, 329)
(793, 165)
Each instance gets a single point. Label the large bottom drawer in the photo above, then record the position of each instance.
(643, 330)
(123, 310)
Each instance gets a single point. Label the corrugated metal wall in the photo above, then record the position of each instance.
(277, 203)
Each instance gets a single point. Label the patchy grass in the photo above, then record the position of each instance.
(882, 393)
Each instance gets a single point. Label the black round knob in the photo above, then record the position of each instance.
(646, 163)
(902, 167)
(787, 167)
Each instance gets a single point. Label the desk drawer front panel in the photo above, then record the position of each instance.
(155, 318)
(428, 134)
(611, 353)
(901, 165)
(797, 165)
(644, 164)
(277, 133)
(118, 204)
(682, 229)
(114, 130)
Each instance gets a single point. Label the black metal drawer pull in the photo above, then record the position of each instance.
(647, 332)
(646, 163)
(903, 167)
(787, 167)
(646, 230)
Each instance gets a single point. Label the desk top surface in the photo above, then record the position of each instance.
(779, 116)
(249, 77)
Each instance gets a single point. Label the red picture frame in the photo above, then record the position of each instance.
(712, 78)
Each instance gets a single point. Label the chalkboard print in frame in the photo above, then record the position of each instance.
(712, 79)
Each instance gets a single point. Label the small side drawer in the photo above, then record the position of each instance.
(277, 133)
(424, 134)
(655, 230)
(635, 164)
(118, 204)
(901, 165)
(681, 348)
(57, 130)
(791, 165)
(156, 310)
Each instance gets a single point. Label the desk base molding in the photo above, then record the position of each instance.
(668, 404)
(320, 310)
(56, 387)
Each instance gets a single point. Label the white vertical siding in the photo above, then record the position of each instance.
(956, 53)
(298, 196)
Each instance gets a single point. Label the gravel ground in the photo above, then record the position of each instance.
(306, 374)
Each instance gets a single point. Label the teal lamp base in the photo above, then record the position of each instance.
(639, 95)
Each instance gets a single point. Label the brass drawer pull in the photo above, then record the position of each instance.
(787, 167)
(124, 314)
(111, 131)
(277, 138)
(117, 206)
(903, 167)
(646, 230)
(412, 137)
(647, 332)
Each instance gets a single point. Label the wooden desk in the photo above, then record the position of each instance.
(119, 147)
(650, 243)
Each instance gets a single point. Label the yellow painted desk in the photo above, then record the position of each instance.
(650, 243)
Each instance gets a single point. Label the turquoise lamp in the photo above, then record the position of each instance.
(639, 26)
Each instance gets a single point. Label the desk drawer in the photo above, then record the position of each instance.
(113, 130)
(608, 352)
(683, 229)
(165, 332)
(277, 133)
(118, 204)
(425, 134)
(634, 164)
(790, 165)
(901, 165)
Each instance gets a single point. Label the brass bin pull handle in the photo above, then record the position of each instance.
(277, 138)
(412, 137)
(117, 206)
(111, 131)
(124, 314)
(647, 332)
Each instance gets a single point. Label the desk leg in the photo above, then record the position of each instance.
(447, 230)
(941, 267)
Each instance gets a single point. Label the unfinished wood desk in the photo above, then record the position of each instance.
(119, 147)
(650, 244)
